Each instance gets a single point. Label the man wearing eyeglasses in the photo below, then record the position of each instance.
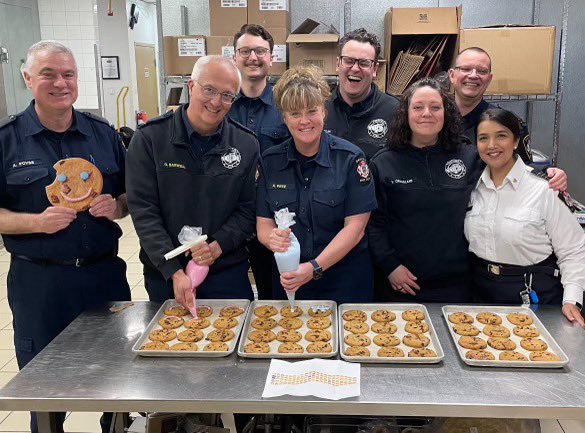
(254, 108)
(195, 167)
(358, 111)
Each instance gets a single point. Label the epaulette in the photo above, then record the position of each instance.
(157, 119)
(7, 120)
(240, 126)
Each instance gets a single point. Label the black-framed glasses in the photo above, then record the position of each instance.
(259, 51)
(210, 93)
(469, 69)
(362, 63)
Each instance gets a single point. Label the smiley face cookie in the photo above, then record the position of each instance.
(205, 311)
(76, 184)
(320, 311)
(176, 310)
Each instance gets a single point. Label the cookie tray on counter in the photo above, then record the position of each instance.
(502, 312)
(274, 345)
(216, 306)
(400, 323)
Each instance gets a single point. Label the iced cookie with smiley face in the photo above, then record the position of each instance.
(76, 184)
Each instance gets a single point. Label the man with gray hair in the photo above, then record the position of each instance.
(195, 167)
(62, 261)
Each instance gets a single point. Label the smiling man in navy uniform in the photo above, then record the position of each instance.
(62, 262)
(195, 167)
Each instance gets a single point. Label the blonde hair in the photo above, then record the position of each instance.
(301, 87)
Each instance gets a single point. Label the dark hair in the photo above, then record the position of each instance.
(361, 35)
(477, 50)
(504, 117)
(254, 30)
(401, 134)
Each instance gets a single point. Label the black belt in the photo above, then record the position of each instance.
(85, 261)
(513, 270)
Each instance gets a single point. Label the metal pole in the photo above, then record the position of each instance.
(162, 88)
(560, 83)
(346, 17)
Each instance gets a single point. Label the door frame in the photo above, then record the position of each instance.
(156, 65)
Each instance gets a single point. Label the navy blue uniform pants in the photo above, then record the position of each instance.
(229, 283)
(261, 263)
(349, 280)
(45, 299)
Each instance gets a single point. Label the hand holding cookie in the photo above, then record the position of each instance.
(105, 206)
(54, 219)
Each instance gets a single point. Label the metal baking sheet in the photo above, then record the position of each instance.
(216, 305)
(503, 312)
(397, 309)
(304, 305)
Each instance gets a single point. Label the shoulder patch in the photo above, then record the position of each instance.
(362, 171)
(7, 120)
(96, 118)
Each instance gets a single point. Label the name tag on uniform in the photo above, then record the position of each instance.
(173, 165)
(281, 186)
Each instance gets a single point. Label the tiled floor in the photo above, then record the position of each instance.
(89, 421)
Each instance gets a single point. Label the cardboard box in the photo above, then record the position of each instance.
(403, 26)
(269, 13)
(313, 49)
(227, 16)
(522, 57)
(220, 45)
(181, 53)
(280, 51)
(380, 79)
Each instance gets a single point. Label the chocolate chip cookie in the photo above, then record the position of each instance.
(287, 312)
(357, 340)
(519, 319)
(422, 353)
(501, 343)
(319, 347)
(497, 331)
(512, 356)
(171, 322)
(356, 327)
(489, 318)
(289, 336)
(319, 323)
(318, 335)
(162, 335)
(390, 352)
(190, 335)
(416, 340)
(231, 311)
(413, 315)
(220, 335)
(384, 328)
(176, 310)
(481, 355)
(290, 323)
(460, 317)
(265, 311)
(185, 347)
(386, 340)
(257, 348)
(416, 327)
(290, 348)
(474, 343)
(216, 346)
(357, 351)
(532, 344)
(355, 315)
(383, 316)
(541, 356)
(225, 323)
(465, 329)
(263, 323)
(201, 323)
(262, 336)
(155, 345)
(526, 331)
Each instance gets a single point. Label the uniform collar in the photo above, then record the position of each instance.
(358, 108)
(182, 130)
(323, 157)
(513, 178)
(267, 96)
(472, 118)
(34, 126)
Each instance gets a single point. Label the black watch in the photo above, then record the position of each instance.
(317, 270)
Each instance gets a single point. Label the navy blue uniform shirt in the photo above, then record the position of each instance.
(200, 144)
(28, 153)
(261, 116)
(340, 186)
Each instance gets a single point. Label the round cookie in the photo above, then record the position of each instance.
(526, 331)
(519, 319)
(497, 331)
(501, 343)
(532, 344)
(290, 323)
(319, 323)
(319, 347)
(384, 328)
(201, 323)
(355, 315)
(489, 318)
(77, 182)
(176, 310)
(356, 327)
(481, 355)
(216, 347)
(170, 322)
(474, 343)
(465, 329)
(320, 311)
(265, 311)
(512, 356)
(460, 317)
(190, 335)
(225, 323)
(413, 315)
(187, 347)
(257, 348)
(357, 340)
(390, 352)
(383, 316)
(422, 353)
(318, 335)
(204, 311)
(155, 345)
(220, 335)
(416, 327)
(416, 340)
(386, 340)
(287, 312)
(357, 351)
(289, 336)
(263, 323)
(290, 347)
(262, 336)
(162, 335)
(541, 356)
(231, 311)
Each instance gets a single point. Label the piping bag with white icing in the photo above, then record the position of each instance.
(289, 260)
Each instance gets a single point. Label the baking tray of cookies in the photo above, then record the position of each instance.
(174, 333)
(502, 337)
(312, 332)
(388, 333)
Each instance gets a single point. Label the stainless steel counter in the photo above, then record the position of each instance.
(90, 367)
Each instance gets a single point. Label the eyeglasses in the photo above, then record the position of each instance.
(210, 93)
(260, 51)
(362, 63)
(468, 70)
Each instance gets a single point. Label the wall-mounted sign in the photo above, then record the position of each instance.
(110, 68)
